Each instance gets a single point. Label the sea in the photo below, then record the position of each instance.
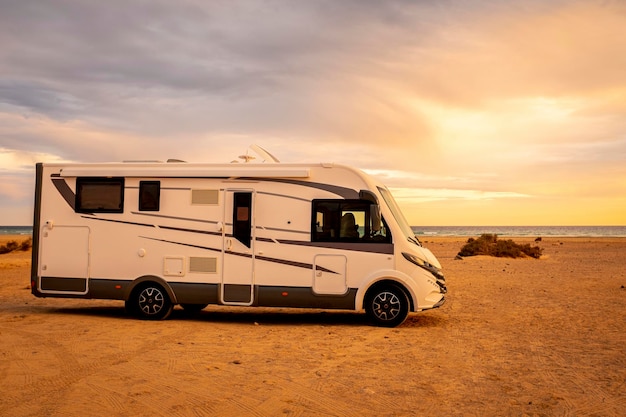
(16, 230)
(470, 231)
(521, 231)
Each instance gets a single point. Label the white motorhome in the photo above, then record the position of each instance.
(157, 234)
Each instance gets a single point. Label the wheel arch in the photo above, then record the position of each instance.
(138, 282)
(390, 278)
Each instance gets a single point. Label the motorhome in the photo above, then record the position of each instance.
(161, 234)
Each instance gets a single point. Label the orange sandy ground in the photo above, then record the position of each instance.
(518, 337)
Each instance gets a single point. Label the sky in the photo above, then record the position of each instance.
(472, 112)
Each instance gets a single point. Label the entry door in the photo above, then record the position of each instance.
(238, 248)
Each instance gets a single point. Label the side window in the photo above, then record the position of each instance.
(99, 195)
(325, 221)
(149, 195)
(348, 221)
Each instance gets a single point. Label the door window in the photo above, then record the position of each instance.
(242, 217)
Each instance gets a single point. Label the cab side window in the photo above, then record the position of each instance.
(347, 221)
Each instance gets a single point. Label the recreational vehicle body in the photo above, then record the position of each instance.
(158, 234)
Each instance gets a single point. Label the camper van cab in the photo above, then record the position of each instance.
(157, 234)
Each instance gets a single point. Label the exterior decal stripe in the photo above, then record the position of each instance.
(65, 191)
(276, 229)
(347, 193)
(182, 229)
(181, 244)
(163, 216)
(119, 221)
(384, 248)
(296, 264)
(306, 200)
(247, 255)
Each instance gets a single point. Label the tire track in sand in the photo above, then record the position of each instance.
(54, 387)
(568, 382)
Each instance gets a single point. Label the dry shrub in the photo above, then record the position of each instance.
(26, 245)
(488, 244)
(12, 245)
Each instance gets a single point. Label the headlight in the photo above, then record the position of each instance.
(427, 266)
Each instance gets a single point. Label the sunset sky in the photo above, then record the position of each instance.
(472, 112)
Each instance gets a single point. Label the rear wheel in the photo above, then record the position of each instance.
(387, 306)
(150, 302)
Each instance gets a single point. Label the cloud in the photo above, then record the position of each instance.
(523, 50)
(16, 189)
(416, 188)
(17, 173)
(422, 195)
(419, 180)
(38, 99)
(20, 161)
(483, 101)
(331, 67)
(212, 67)
(331, 70)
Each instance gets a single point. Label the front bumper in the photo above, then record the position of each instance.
(440, 303)
(442, 285)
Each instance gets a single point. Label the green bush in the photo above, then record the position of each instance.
(488, 244)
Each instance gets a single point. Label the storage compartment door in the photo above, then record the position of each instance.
(329, 274)
(64, 260)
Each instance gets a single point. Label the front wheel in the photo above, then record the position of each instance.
(151, 302)
(387, 306)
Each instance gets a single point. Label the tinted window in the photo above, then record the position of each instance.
(149, 195)
(100, 195)
(347, 221)
(242, 219)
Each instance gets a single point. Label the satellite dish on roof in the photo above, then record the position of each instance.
(262, 153)
(265, 155)
(246, 158)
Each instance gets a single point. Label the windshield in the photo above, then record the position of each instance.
(397, 214)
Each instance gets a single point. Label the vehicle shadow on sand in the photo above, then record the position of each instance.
(255, 316)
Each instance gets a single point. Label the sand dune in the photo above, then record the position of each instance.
(516, 337)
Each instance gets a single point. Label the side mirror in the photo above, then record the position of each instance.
(367, 195)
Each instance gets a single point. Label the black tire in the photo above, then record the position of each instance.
(193, 308)
(387, 306)
(150, 302)
(130, 307)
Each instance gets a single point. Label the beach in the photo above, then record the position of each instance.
(516, 337)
